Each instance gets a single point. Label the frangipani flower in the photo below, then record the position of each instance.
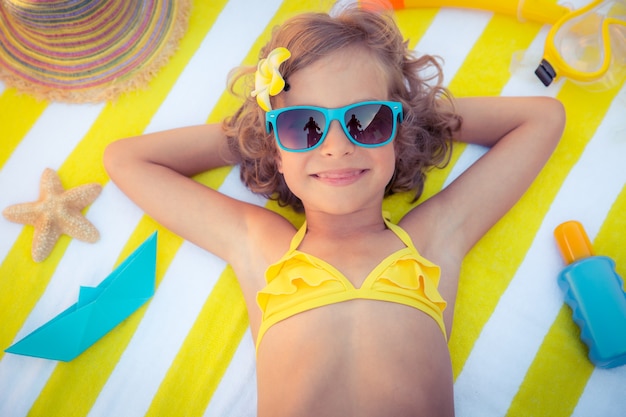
(268, 81)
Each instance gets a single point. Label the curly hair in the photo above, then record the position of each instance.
(424, 138)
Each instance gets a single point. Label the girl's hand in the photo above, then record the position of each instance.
(521, 132)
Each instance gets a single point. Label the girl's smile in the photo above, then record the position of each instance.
(340, 177)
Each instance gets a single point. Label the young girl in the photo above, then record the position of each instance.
(351, 313)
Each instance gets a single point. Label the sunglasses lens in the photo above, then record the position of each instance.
(370, 124)
(300, 128)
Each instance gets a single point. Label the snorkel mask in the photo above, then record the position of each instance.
(587, 46)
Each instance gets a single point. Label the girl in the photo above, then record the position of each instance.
(350, 314)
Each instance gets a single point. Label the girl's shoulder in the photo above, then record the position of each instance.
(268, 234)
(265, 238)
(432, 228)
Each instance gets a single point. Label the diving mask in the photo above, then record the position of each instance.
(588, 46)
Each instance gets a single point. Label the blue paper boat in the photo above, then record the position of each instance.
(98, 310)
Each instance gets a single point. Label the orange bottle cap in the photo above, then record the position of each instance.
(573, 241)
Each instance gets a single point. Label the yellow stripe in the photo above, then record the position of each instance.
(22, 282)
(474, 77)
(67, 409)
(84, 165)
(611, 239)
(485, 71)
(95, 365)
(568, 375)
(585, 112)
(19, 114)
(493, 77)
(413, 24)
(557, 375)
(91, 369)
(225, 310)
(479, 75)
(524, 219)
(207, 352)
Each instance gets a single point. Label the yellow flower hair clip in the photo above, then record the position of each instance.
(268, 81)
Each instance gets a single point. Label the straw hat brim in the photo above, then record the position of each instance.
(90, 50)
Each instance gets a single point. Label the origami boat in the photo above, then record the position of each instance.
(98, 310)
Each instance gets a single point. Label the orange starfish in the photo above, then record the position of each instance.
(57, 212)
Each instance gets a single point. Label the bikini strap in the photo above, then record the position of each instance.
(401, 233)
(297, 238)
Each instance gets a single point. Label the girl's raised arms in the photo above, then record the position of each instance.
(521, 132)
(154, 170)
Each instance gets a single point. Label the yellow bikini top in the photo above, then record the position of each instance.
(299, 282)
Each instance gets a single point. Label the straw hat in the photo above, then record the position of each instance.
(87, 50)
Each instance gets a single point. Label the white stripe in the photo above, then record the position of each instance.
(46, 145)
(604, 394)
(510, 339)
(470, 154)
(169, 318)
(203, 81)
(523, 82)
(453, 49)
(82, 264)
(62, 138)
(236, 395)
(21, 378)
(194, 94)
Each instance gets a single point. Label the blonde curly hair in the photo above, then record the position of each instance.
(424, 138)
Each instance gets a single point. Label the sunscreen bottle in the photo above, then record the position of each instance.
(595, 293)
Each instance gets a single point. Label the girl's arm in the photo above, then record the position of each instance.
(521, 132)
(153, 170)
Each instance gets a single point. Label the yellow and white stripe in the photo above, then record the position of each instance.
(515, 349)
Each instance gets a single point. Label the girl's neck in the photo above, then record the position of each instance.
(345, 225)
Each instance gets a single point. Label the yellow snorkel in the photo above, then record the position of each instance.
(540, 11)
(588, 46)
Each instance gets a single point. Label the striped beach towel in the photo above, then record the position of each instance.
(188, 351)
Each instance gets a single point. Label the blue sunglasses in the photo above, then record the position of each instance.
(301, 128)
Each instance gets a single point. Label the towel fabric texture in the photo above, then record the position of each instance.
(188, 351)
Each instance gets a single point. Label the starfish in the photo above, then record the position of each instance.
(57, 212)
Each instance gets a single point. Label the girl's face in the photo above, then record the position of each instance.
(338, 177)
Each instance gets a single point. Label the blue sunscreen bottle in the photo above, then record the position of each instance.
(595, 293)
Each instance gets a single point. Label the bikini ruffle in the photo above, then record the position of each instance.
(300, 271)
(410, 274)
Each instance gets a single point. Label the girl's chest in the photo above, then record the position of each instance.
(356, 264)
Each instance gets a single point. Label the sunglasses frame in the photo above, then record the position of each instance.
(338, 114)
